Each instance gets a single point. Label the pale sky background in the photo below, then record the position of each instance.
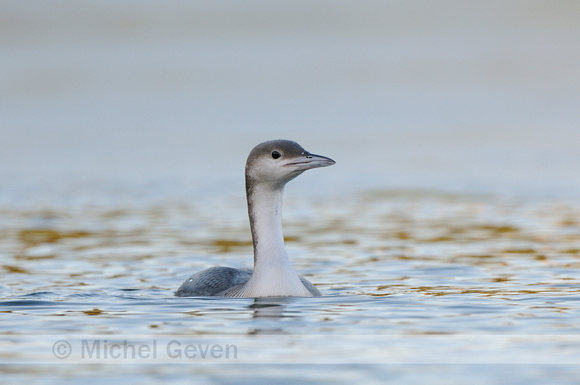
(479, 96)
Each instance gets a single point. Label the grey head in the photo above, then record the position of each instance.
(276, 162)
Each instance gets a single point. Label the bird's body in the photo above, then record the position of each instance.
(269, 167)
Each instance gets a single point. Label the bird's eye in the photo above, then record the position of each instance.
(276, 154)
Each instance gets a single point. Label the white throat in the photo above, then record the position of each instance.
(273, 273)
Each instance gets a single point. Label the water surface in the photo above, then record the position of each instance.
(409, 277)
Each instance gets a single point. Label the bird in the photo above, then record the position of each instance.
(270, 165)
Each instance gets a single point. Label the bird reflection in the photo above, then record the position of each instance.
(269, 311)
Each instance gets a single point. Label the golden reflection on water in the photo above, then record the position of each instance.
(376, 244)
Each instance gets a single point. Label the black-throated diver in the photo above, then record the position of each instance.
(269, 167)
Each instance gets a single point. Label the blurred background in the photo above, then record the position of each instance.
(453, 208)
(167, 97)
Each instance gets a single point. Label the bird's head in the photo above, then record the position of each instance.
(277, 162)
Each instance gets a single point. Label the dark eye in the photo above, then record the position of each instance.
(276, 154)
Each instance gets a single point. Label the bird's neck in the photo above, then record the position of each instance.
(265, 211)
(273, 272)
